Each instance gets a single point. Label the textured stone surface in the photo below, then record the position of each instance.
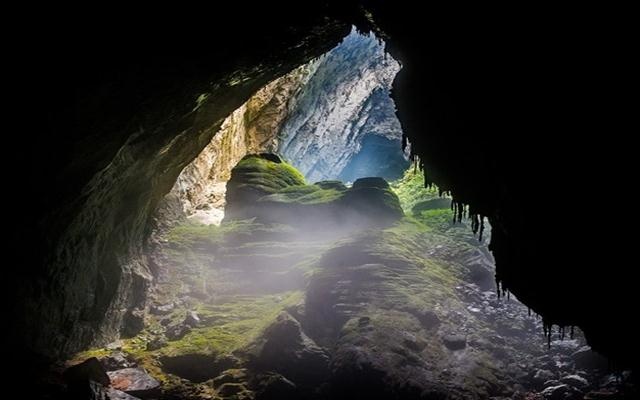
(134, 381)
(346, 98)
(251, 128)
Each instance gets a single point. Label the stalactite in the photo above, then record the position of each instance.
(547, 329)
(475, 224)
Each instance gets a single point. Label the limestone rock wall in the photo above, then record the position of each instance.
(346, 99)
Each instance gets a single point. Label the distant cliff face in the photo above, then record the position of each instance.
(345, 100)
(251, 128)
(318, 117)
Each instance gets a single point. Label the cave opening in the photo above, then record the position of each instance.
(300, 255)
(332, 118)
(306, 260)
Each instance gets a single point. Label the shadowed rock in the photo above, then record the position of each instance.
(88, 370)
(288, 351)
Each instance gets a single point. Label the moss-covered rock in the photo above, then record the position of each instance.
(264, 187)
(255, 176)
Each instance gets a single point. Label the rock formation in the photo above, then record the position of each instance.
(345, 100)
(268, 189)
(320, 117)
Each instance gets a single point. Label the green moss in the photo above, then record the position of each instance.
(232, 324)
(258, 173)
(308, 194)
(96, 352)
(441, 219)
(411, 191)
(193, 234)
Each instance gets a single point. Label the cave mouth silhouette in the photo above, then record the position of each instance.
(123, 125)
(266, 281)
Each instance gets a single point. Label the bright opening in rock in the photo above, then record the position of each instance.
(301, 256)
(331, 119)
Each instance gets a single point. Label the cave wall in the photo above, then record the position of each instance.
(346, 99)
(250, 129)
(114, 150)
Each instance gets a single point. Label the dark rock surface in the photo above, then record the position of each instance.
(288, 351)
(274, 387)
(454, 342)
(114, 361)
(196, 367)
(89, 370)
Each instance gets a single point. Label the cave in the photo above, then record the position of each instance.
(356, 199)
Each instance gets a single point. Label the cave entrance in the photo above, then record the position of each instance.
(332, 118)
(306, 259)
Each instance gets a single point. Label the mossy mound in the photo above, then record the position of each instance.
(371, 182)
(432, 204)
(338, 185)
(275, 192)
(256, 176)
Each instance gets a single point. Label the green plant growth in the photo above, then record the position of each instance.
(411, 190)
(231, 324)
(308, 194)
(264, 176)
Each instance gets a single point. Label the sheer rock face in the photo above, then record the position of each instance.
(346, 98)
(249, 129)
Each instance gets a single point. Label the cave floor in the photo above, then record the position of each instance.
(258, 311)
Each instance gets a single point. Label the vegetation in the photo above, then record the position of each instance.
(238, 277)
(411, 190)
(308, 194)
(264, 175)
(231, 324)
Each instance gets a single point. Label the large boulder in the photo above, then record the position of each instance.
(135, 382)
(256, 176)
(272, 386)
(275, 192)
(285, 349)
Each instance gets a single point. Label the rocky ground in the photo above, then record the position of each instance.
(257, 309)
